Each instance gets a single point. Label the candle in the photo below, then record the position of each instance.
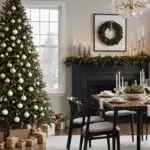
(116, 80)
(122, 81)
(119, 79)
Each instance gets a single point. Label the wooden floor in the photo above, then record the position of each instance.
(125, 130)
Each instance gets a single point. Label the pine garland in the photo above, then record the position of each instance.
(99, 60)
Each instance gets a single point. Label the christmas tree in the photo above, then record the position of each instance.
(23, 99)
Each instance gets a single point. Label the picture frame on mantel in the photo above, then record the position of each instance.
(105, 39)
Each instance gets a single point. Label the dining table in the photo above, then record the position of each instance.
(133, 105)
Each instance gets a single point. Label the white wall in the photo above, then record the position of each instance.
(79, 25)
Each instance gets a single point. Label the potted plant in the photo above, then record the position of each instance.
(134, 92)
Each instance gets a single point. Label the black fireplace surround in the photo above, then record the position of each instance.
(90, 79)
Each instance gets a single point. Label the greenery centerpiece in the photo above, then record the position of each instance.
(134, 92)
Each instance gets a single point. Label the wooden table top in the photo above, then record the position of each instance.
(131, 105)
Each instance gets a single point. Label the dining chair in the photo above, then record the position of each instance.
(123, 113)
(76, 122)
(94, 131)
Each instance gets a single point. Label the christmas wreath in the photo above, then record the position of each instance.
(111, 25)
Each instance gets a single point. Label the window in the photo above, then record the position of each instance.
(47, 21)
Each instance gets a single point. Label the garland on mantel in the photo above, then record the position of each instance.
(99, 60)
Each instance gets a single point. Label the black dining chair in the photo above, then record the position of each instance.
(121, 114)
(94, 131)
(76, 122)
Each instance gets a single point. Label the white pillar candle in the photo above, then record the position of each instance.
(119, 79)
(116, 80)
(122, 81)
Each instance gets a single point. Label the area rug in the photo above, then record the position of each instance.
(59, 143)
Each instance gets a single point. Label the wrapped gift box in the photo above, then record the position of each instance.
(31, 142)
(11, 142)
(21, 144)
(42, 137)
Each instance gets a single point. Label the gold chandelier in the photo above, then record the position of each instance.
(130, 8)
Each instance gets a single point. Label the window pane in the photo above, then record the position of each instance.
(44, 28)
(44, 14)
(49, 65)
(44, 40)
(53, 28)
(35, 15)
(36, 39)
(54, 15)
(54, 40)
(28, 13)
(35, 27)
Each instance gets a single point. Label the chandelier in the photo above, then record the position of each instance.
(130, 8)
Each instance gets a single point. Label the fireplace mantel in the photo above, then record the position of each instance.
(90, 79)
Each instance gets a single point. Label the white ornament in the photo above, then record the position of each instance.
(30, 74)
(10, 93)
(2, 75)
(5, 112)
(19, 74)
(15, 32)
(35, 116)
(9, 13)
(2, 55)
(44, 102)
(41, 108)
(24, 37)
(21, 80)
(5, 99)
(28, 65)
(31, 89)
(23, 98)
(29, 126)
(13, 21)
(19, 20)
(13, 8)
(26, 114)
(16, 119)
(13, 102)
(23, 69)
(6, 54)
(20, 105)
(6, 29)
(13, 70)
(17, 56)
(19, 27)
(3, 45)
(29, 52)
(49, 108)
(20, 88)
(18, 41)
(36, 107)
(38, 83)
(9, 65)
(42, 114)
(25, 23)
(9, 49)
(12, 38)
(34, 60)
(7, 80)
(21, 46)
(21, 64)
(24, 57)
(13, 44)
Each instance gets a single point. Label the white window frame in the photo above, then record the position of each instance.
(62, 38)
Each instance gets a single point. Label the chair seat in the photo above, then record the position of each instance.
(120, 113)
(100, 127)
(92, 119)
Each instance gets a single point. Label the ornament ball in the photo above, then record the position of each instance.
(26, 114)
(16, 119)
(5, 112)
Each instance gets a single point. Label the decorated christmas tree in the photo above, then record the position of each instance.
(23, 99)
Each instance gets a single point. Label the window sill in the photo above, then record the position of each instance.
(56, 94)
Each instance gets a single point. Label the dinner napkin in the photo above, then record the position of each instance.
(148, 110)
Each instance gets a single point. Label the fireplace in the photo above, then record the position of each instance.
(90, 79)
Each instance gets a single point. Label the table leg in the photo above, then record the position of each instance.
(114, 129)
(139, 130)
